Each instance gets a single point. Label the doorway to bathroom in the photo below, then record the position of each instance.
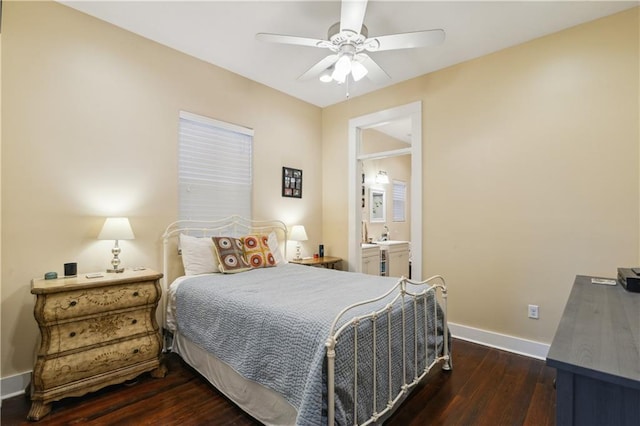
(385, 191)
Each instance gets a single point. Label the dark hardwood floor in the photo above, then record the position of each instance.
(486, 387)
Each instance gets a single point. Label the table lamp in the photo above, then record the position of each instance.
(116, 228)
(298, 234)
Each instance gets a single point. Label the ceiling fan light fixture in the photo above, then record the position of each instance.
(343, 66)
(327, 75)
(338, 76)
(348, 39)
(358, 70)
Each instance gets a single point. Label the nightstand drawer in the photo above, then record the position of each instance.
(96, 330)
(77, 366)
(76, 303)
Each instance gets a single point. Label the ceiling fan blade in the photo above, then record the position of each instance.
(375, 74)
(286, 39)
(317, 69)
(405, 40)
(352, 15)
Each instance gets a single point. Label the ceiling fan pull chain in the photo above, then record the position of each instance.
(347, 86)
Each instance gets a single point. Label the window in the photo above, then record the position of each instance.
(214, 168)
(399, 201)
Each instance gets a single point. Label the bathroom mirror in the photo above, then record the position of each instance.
(377, 205)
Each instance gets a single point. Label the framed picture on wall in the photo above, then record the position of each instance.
(291, 182)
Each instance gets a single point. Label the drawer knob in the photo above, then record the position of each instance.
(72, 334)
(135, 321)
(135, 351)
(135, 294)
(73, 303)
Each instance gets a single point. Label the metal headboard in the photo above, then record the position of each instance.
(232, 226)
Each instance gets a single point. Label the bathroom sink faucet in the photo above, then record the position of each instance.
(385, 235)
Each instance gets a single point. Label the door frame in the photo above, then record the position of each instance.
(356, 125)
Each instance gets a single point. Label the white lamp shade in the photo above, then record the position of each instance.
(116, 228)
(337, 76)
(298, 233)
(343, 66)
(358, 71)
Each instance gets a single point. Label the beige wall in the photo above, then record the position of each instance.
(90, 130)
(530, 162)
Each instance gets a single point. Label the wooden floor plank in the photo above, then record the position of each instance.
(486, 387)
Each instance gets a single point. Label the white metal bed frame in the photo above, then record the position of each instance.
(402, 293)
(238, 226)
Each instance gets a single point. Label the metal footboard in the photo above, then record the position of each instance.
(409, 300)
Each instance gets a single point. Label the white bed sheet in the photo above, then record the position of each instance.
(170, 314)
(262, 403)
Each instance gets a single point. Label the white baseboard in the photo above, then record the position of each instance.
(14, 385)
(500, 341)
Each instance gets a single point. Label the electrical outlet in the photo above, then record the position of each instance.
(533, 311)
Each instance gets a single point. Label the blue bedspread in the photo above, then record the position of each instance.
(271, 324)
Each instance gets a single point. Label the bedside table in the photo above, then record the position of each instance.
(94, 332)
(326, 261)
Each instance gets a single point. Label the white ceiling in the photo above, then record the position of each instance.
(223, 33)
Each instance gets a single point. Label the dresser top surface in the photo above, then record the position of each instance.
(599, 332)
(42, 286)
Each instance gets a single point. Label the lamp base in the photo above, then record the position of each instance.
(117, 271)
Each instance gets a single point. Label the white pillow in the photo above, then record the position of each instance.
(198, 256)
(273, 246)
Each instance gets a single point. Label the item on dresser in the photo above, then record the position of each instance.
(98, 331)
(603, 281)
(94, 275)
(70, 269)
(629, 279)
(281, 342)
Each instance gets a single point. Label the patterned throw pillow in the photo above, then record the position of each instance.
(230, 254)
(257, 252)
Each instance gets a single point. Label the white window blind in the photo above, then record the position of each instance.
(399, 201)
(214, 168)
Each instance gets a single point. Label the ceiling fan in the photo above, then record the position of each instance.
(348, 40)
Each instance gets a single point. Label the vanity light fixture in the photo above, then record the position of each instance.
(382, 177)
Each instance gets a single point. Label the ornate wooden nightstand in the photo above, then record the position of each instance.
(94, 332)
